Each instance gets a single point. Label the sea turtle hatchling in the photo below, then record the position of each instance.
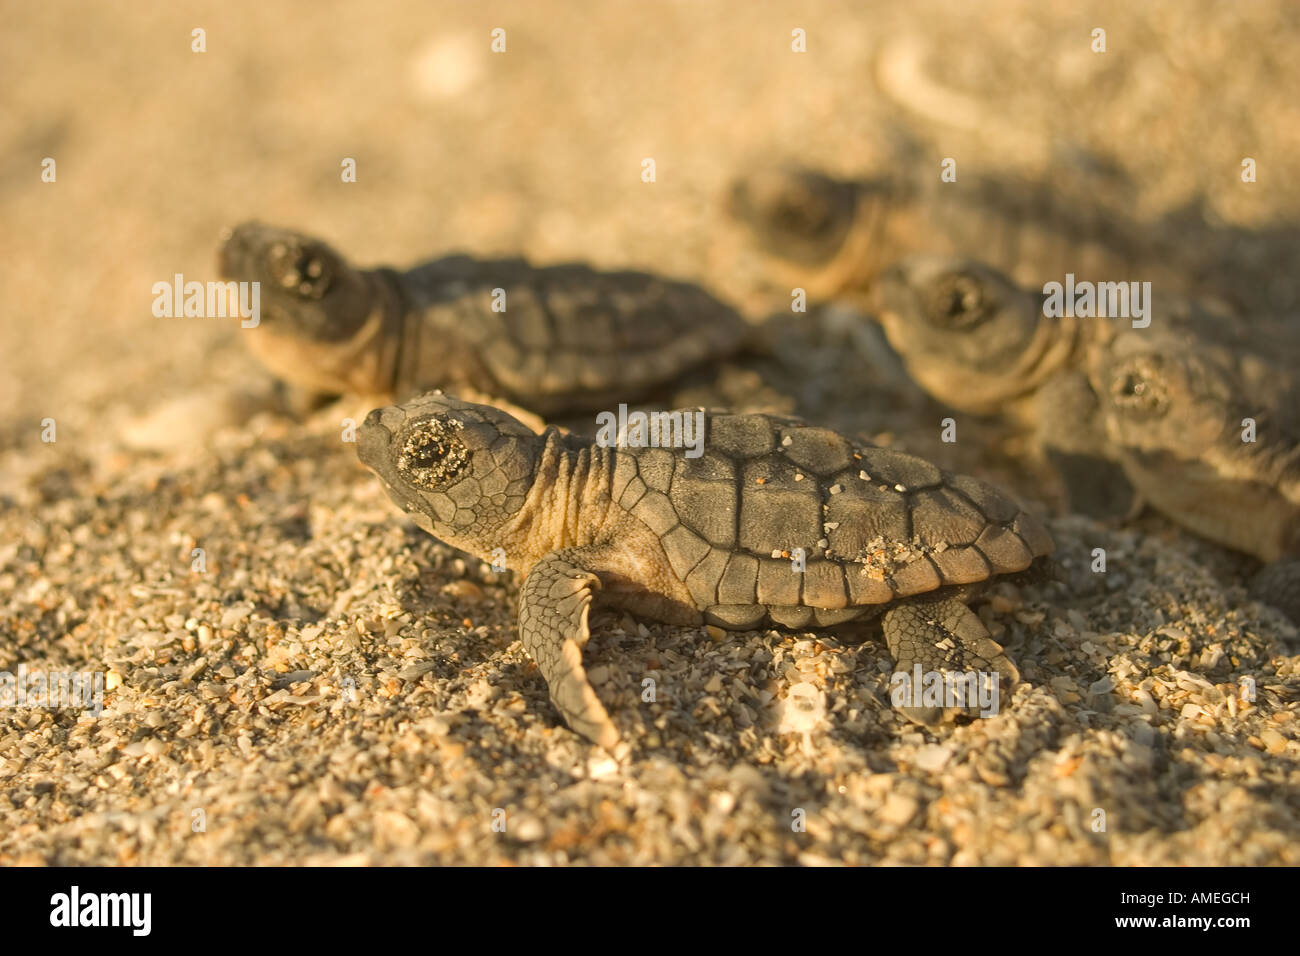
(832, 237)
(710, 538)
(1207, 429)
(550, 338)
(973, 338)
(979, 343)
(1199, 410)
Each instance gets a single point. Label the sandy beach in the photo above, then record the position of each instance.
(294, 673)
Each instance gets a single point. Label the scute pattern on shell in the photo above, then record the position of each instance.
(874, 524)
(565, 332)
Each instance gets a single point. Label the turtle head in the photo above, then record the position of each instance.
(965, 330)
(1175, 412)
(1161, 398)
(460, 470)
(794, 214)
(306, 288)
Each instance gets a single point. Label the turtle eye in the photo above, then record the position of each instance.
(959, 303)
(301, 269)
(803, 213)
(1139, 387)
(431, 454)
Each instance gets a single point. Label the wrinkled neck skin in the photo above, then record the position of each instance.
(1056, 344)
(362, 360)
(568, 505)
(376, 345)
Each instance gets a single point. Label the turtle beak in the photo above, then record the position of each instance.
(374, 437)
(227, 261)
(236, 251)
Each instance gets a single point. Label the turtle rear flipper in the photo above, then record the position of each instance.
(944, 641)
(1095, 486)
(1068, 426)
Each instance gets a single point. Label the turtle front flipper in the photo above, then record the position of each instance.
(1278, 584)
(1070, 429)
(1096, 486)
(933, 644)
(553, 608)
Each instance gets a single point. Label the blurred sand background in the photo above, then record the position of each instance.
(538, 151)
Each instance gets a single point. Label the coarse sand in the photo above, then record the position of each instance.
(294, 674)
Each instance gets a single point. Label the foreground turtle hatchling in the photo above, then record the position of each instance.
(710, 539)
(548, 338)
